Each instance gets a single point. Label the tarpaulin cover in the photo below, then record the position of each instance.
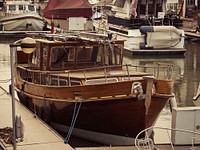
(63, 9)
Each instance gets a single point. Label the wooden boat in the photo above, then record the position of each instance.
(146, 26)
(81, 83)
(19, 16)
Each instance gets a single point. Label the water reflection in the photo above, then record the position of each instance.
(186, 76)
(186, 73)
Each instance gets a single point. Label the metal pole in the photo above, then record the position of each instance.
(12, 60)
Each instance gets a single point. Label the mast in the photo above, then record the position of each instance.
(147, 8)
(154, 7)
(133, 9)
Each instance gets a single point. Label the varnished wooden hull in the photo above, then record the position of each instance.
(124, 116)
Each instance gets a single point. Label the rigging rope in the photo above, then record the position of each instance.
(74, 117)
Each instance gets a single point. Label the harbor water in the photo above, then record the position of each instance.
(186, 75)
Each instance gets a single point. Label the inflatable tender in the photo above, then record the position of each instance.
(160, 37)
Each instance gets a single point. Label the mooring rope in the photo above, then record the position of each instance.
(5, 81)
(74, 117)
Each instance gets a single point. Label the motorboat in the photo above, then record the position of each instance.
(20, 16)
(146, 26)
(79, 85)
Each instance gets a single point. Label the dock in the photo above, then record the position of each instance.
(37, 135)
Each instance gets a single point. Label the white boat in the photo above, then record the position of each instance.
(146, 26)
(20, 16)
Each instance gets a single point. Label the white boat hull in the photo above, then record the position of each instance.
(103, 138)
(22, 22)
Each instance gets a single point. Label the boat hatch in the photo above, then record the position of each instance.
(100, 81)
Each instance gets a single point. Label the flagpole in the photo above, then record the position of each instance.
(12, 59)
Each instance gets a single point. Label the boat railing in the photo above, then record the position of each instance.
(106, 74)
(145, 140)
(160, 70)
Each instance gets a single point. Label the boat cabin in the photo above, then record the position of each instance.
(50, 55)
(136, 13)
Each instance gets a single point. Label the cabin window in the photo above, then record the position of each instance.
(118, 54)
(66, 57)
(151, 9)
(84, 56)
(120, 3)
(31, 8)
(35, 57)
(113, 56)
(190, 2)
(12, 8)
(21, 7)
(1, 4)
(45, 57)
(62, 57)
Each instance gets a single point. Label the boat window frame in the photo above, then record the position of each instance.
(38, 53)
(120, 3)
(31, 8)
(70, 57)
(98, 58)
(21, 7)
(11, 6)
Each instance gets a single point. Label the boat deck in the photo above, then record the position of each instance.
(37, 135)
(192, 34)
(101, 74)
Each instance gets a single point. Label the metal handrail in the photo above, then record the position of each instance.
(148, 143)
(167, 71)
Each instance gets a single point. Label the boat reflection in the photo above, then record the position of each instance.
(186, 73)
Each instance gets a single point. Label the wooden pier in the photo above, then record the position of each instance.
(37, 135)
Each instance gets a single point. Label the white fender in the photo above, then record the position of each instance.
(172, 103)
(19, 127)
(137, 89)
(197, 96)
